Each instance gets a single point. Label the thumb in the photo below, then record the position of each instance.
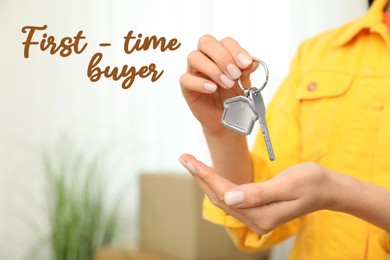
(253, 195)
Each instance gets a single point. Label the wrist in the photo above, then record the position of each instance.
(230, 155)
(343, 192)
(217, 131)
(225, 138)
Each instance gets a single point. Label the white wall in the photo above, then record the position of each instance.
(146, 127)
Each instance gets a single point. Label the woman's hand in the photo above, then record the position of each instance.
(297, 191)
(294, 192)
(211, 78)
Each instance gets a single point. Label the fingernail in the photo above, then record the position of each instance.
(244, 59)
(183, 162)
(234, 71)
(234, 197)
(191, 168)
(226, 81)
(210, 86)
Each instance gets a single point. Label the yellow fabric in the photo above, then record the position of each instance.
(333, 108)
(384, 241)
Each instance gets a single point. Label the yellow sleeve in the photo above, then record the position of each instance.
(282, 119)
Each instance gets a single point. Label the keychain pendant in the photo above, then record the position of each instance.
(239, 115)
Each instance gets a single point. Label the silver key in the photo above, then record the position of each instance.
(259, 107)
(239, 114)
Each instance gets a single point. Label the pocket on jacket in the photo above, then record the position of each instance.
(320, 94)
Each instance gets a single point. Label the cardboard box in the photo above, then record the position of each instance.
(124, 254)
(171, 221)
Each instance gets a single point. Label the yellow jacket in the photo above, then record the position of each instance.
(333, 108)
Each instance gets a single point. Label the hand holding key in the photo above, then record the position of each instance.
(211, 77)
(240, 112)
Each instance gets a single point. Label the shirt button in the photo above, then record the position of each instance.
(312, 86)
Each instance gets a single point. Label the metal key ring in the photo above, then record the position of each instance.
(266, 76)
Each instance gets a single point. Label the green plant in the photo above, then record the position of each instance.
(80, 220)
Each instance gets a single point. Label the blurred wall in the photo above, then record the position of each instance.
(144, 128)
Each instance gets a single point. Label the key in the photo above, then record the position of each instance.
(239, 115)
(259, 107)
(241, 112)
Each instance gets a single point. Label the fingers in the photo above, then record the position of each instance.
(214, 185)
(215, 63)
(239, 54)
(197, 84)
(221, 55)
(203, 175)
(254, 194)
(201, 62)
(184, 160)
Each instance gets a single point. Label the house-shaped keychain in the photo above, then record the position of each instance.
(239, 115)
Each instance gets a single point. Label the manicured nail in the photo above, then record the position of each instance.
(244, 59)
(183, 162)
(234, 71)
(191, 168)
(210, 86)
(226, 81)
(234, 197)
